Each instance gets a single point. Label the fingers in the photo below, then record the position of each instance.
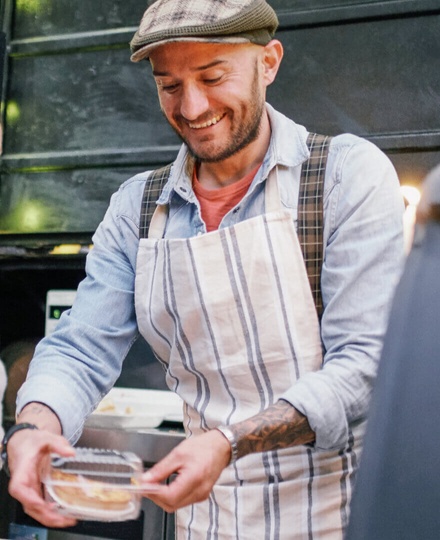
(28, 453)
(194, 466)
(60, 445)
(31, 495)
(181, 491)
(46, 513)
(162, 470)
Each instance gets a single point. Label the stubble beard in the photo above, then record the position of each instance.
(244, 135)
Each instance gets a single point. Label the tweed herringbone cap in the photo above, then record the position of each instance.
(234, 21)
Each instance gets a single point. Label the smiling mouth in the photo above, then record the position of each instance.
(208, 123)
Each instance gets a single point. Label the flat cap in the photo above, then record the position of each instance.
(233, 21)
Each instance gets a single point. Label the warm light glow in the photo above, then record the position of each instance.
(12, 112)
(27, 216)
(411, 194)
(32, 216)
(32, 7)
(412, 198)
(66, 249)
(70, 249)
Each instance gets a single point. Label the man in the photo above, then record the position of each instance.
(220, 291)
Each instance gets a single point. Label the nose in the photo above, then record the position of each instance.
(194, 102)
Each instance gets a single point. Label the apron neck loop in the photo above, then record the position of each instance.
(271, 192)
(158, 222)
(273, 203)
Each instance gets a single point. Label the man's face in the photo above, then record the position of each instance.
(212, 95)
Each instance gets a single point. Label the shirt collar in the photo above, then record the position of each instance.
(288, 144)
(288, 147)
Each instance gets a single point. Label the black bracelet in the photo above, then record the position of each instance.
(6, 439)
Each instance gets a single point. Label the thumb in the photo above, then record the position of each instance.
(161, 470)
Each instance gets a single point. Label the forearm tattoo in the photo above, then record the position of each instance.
(36, 409)
(279, 426)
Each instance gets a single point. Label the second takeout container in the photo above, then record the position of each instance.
(99, 485)
(135, 408)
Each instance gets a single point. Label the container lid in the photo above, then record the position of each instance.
(100, 465)
(96, 484)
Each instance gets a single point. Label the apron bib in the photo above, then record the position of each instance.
(231, 316)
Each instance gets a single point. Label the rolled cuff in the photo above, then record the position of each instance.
(323, 409)
(68, 406)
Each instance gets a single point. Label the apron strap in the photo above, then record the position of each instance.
(153, 188)
(310, 209)
(310, 212)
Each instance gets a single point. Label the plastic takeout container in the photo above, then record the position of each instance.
(135, 408)
(99, 485)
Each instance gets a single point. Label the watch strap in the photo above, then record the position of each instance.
(228, 433)
(10, 432)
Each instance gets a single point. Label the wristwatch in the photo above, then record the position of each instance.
(6, 439)
(227, 432)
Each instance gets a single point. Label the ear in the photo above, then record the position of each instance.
(272, 55)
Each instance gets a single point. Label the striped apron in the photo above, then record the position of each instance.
(231, 316)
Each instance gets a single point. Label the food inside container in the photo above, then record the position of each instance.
(99, 485)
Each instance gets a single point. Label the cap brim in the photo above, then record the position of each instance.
(144, 52)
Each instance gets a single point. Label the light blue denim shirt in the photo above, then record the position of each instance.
(76, 366)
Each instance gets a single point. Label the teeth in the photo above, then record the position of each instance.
(211, 122)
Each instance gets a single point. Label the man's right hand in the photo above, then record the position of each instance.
(28, 453)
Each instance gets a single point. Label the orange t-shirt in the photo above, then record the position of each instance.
(216, 203)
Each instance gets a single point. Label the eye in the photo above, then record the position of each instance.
(170, 88)
(167, 87)
(212, 80)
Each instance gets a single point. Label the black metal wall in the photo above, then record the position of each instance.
(80, 118)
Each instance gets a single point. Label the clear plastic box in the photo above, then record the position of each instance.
(99, 485)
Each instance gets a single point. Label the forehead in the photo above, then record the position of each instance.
(181, 55)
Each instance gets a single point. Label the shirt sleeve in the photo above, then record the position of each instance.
(79, 362)
(363, 260)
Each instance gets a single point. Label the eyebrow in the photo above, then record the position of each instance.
(212, 64)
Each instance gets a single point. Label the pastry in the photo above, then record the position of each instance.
(84, 492)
